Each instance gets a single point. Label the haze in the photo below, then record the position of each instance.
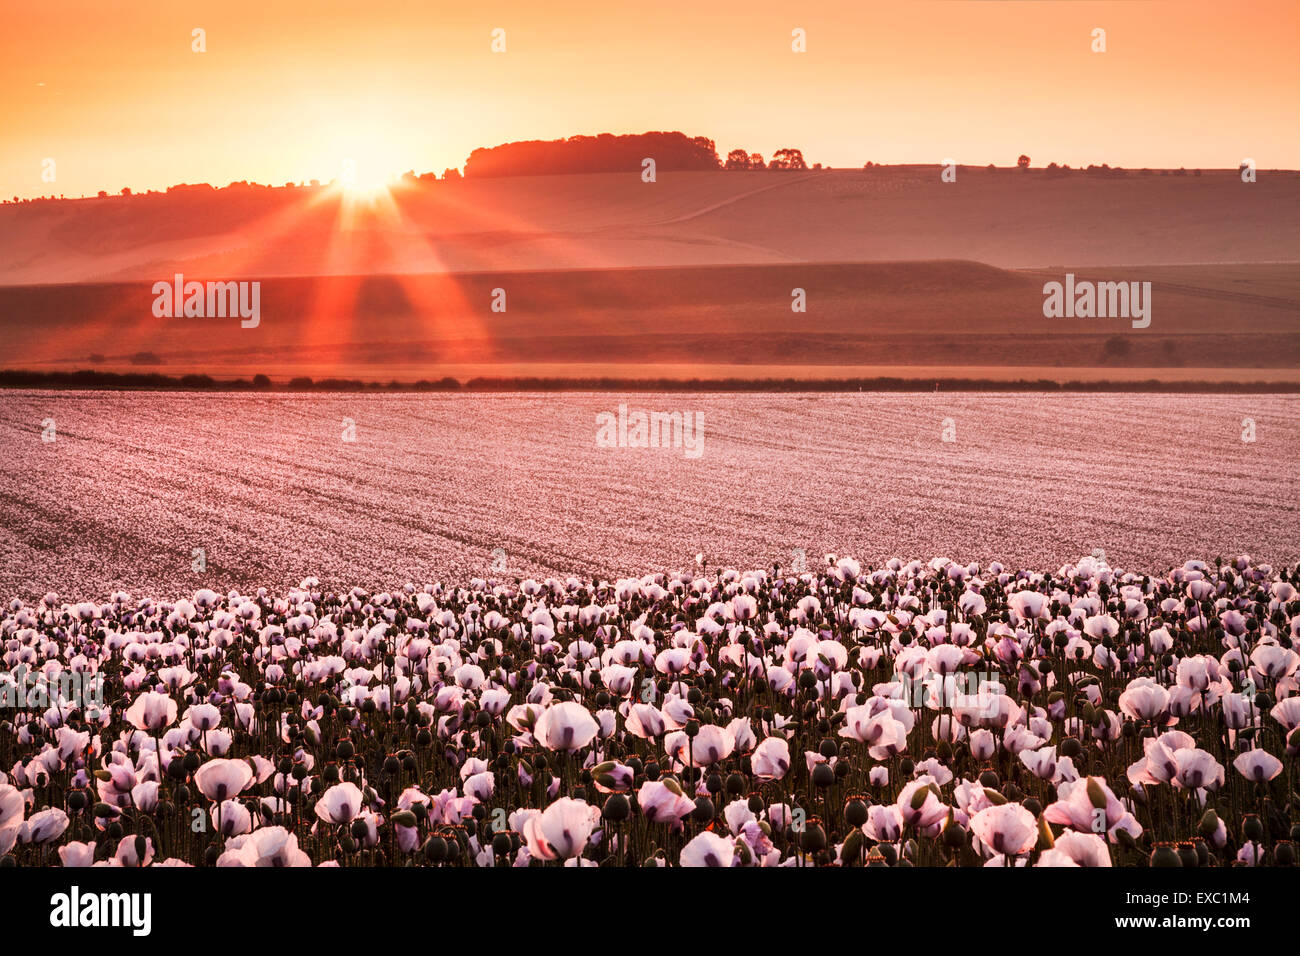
(287, 91)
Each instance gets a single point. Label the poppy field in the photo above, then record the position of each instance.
(907, 714)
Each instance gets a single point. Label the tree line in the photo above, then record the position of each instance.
(609, 153)
(94, 379)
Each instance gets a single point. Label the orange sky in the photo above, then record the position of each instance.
(287, 90)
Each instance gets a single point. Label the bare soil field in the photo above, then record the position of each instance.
(433, 484)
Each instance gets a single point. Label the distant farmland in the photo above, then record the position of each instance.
(601, 275)
(918, 320)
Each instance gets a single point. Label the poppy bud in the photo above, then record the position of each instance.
(855, 812)
(1209, 824)
(823, 775)
(813, 837)
(1284, 853)
(1165, 855)
(1252, 828)
(989, 779)
(501, 843)
(703, 812)
(736, 784)
(404, 818)
(617, 808)
(852, 848)
(993, 796)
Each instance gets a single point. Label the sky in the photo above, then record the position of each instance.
(289, 90)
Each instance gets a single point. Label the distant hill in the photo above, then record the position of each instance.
(687, 277)
(1004, 217)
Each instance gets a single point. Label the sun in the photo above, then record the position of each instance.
(363, 180)
(369, 188)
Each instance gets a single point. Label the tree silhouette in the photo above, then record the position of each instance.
(737, 159)
(605, 153)
(1023, 161)
(788, 159)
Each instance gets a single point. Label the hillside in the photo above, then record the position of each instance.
(691, 276)
(911, 318)
(1003, 217)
